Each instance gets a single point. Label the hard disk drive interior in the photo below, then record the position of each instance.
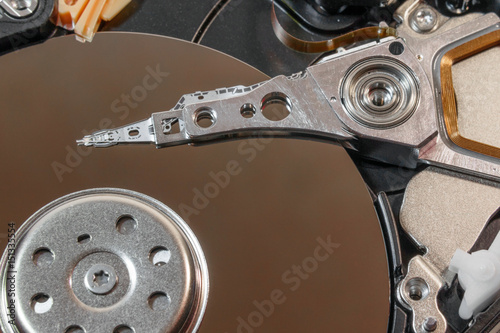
(250, 166)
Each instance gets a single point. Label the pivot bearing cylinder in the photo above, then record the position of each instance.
(104, 260)
(380, 93)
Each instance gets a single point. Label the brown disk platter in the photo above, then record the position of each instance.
(259, 227)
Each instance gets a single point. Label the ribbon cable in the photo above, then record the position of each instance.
(350, 38)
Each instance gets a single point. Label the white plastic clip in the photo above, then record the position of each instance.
(479, 275)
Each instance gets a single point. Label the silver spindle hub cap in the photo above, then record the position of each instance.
(105, 260)
(380, 93)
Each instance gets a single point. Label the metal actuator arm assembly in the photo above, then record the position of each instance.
(381, 98)
(282, 106)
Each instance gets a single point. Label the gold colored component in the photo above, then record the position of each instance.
(112, 8)
(70, 12)
(330, 44)
(450, 111)
(88, 23)
(84, 16)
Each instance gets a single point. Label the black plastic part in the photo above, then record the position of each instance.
(244, 30)
(387, 184)
(333, 6)
(488, 234)
(456, 7)
(381, 177)
(449, 302)
(16, 33)
(487, 321)
(398, 318)
(316, 17)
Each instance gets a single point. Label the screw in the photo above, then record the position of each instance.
(101, 279)
(430, 324)
(424, 19)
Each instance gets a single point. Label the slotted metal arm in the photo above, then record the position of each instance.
(282, 106)
(371, 99)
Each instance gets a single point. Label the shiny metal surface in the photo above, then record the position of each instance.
(380, 93)
(257, 230)
(318, 111)
(99, 275)
(19, 8)
(424, 19)
(419, 290)
(430, 48)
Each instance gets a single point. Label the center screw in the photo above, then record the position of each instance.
(101, 279)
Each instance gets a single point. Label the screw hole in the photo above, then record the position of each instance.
(396, 48)
(41, 303)
(75, 329)
(126, 225)
(247, 110)
(85, 238)
(123, 329)
(417, 289)
(133, 133)
(205, 117)
(159, 256)
(43, 257)
(171, 126)
(276, 106)
(158, 301)
(200, 97)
